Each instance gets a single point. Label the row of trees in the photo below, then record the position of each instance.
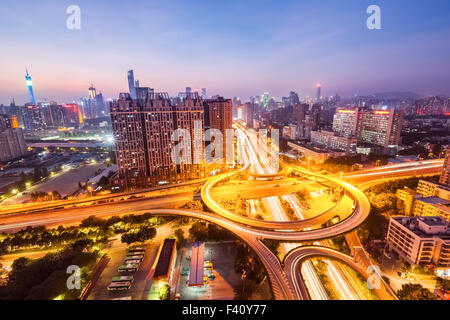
(248, 265)
(141, 234)
(40, 196)
(203, 231)
(414, 291)
(46, 278)
(136, 228)
(39, 237)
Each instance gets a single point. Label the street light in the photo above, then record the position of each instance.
(89, 188)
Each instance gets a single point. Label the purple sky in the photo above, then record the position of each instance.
(233, 48)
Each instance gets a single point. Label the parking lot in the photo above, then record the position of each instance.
(222, 255)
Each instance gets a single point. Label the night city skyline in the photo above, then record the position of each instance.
(229, 154)
(235, 49)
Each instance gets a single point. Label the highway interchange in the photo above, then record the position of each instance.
(292, 279)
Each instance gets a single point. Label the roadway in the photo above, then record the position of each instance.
(285, 283)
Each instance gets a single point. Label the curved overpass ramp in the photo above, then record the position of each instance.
(296, 257)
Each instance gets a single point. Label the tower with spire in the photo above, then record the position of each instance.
(29, 83)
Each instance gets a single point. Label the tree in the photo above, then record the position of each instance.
(198, 231)
(179, 235)
(443, 284)
(410, 291)
(143, 234)
(82, 244)
(164, 292)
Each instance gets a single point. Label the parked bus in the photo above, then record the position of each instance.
(131, 267)
(122, 279)
(137, 250)
(130, 254)
(137, 257)
(124, 285)
(133, 262)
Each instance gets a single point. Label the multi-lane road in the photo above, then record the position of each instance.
(286, 279)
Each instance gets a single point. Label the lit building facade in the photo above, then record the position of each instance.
(219, 115)
(421, 241)
(143, 133)
(332, 141)
(346, 121)
(12, 141)
(381, 128)
(445, 175)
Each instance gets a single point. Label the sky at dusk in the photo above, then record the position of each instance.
(231, 47)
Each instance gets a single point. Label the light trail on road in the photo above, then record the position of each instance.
(312, 280)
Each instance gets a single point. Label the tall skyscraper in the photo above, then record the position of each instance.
(319, 88)
(131, 84)
(445, 175)
(219, 115)
(29, 83)
(265, 99)
(204, 93)
(92, 92)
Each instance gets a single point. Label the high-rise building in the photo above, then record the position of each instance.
(319, 88)
(14, 122)
(32, 117)
(142, 93)
(12, 141)
(204, 96)
(5, 123)
(299, 113)
(219, 115)
(72, 116)
(381, 128)
(249, 114)
(314, 117)
(265, 100)
(131, 84)
(445, 175)
(143, 131)
(92, 92)
(29, 83)
(293, 99)
(346, 121)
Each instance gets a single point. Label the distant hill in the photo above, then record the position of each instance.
(396, 95)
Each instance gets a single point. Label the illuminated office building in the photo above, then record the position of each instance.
(131, 84)
(143, 131)
(445, 175)
(381, 127)
(346, 121)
